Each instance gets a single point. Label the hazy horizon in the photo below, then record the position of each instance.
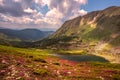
(44, 29)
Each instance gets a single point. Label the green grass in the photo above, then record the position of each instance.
(36, 54)
(39, 59)
(41, 72)
(70, 52)
(105, 65)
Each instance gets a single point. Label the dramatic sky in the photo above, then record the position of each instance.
(46, 14)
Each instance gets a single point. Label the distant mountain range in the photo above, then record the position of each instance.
(10, 36)
(95, 29)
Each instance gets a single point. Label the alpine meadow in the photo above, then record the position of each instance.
(59, 40)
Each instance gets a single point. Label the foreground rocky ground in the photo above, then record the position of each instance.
(18, 66)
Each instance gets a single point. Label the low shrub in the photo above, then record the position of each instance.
(39, 60)
(3, 66)
(116, 77)
(56, 63)
(41, 72)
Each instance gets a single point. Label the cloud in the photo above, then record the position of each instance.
(45, 13)
(29, 10)
(12, 8)
(1, 2)
(77, 13)
(81, 1)
(54, 13)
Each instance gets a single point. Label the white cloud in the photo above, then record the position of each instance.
(81, 1)
(43, 2)
(28, 10)
(82, 12)
(17, 0)
(77, 13)
(54, 13)
(1, 2)
(59, 11)
(66, 7)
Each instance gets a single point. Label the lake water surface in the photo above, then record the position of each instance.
(81, 58)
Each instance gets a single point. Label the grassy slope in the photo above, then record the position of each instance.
(95, 26)
(75, 52)
(24, 64)
(22, 51)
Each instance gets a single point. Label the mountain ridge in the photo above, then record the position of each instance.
(90, 16)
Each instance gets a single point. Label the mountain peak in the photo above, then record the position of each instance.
(112, 7)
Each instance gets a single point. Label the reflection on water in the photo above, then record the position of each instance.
(81, 58)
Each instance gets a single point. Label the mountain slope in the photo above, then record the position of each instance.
(3, 39)
(102, 23)
(94, 29)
